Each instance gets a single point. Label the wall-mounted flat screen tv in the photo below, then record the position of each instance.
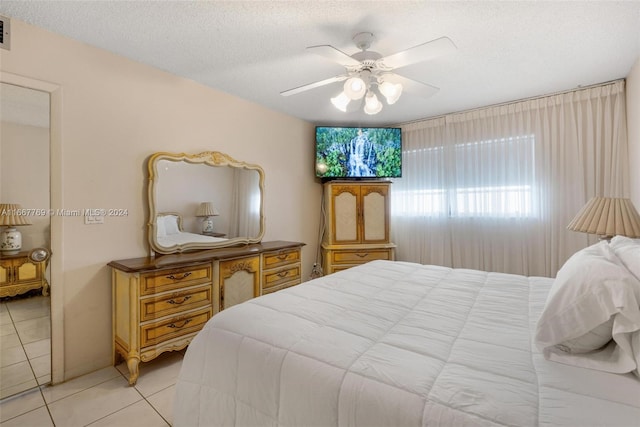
(355, 153)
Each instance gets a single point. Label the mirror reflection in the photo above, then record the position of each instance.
(203, 201)
(25, 339)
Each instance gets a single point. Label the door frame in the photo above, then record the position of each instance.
(56, 192)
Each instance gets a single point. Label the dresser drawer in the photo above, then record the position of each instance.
(174, 327)
(167, 280)
(359, 256)
(175, 302)
(338, 267)
(280, 258)
(275, 278)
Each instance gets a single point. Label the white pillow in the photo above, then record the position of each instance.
(592, 292)
(596, 338)
(171, 224)
(161, 230)
(628, 250)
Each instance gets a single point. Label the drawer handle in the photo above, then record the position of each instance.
(283, 274)
(362, 255)
(174, 326)
(184, 299)
(283, 257)
(184, 276)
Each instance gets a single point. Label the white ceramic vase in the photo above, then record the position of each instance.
(207, 225)
(10, 241)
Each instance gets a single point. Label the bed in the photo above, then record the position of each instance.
(169, 232)
(402, 344)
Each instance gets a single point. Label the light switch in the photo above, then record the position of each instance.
(92, 220)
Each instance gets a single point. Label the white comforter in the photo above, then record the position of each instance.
(183, 237)
(393, 344)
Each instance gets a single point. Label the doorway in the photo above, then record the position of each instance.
(25, 318)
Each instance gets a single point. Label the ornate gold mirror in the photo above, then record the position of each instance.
(203, 201)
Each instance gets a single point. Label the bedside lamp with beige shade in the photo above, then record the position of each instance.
(607, 217)
(207, 211)
(11, 216)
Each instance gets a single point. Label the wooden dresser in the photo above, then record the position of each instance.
(21, 272)
(357, 221)
(160, 303)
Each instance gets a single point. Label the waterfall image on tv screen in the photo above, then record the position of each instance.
(350, 152)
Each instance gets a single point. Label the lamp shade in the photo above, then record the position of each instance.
(207, 209)
(607, 217)
(11, 214)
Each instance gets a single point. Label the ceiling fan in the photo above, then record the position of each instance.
(366, 70)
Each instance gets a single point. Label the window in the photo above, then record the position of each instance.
(492, 178)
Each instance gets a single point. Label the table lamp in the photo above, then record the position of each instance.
(607, 217)
(207, 211)
(11, 216)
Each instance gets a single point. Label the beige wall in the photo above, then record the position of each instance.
(633, 128)
(116, 112)
(24, 177)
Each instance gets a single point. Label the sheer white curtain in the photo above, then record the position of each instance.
(494, 188)
(245, 204)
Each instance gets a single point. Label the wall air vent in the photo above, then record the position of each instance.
(5, 35)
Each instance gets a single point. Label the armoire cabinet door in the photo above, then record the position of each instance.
(375, 207)
(346, 213)
(359, 213)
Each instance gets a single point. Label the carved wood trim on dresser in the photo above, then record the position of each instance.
(161, 303)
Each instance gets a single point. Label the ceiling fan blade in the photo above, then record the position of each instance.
(314, 85)
(419, 53)
(415, 87)
(334, 55)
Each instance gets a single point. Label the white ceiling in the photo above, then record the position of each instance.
(507, 50)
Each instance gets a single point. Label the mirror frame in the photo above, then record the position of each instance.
(211, 158)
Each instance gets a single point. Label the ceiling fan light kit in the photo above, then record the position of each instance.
(355, 87)
(391, 91)
(366, 70)
(371, 104)
(362, 82)
(341, 101)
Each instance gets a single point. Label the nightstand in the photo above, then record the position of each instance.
(24, 271)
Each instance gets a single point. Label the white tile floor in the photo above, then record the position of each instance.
(102, 398)
(25, 344)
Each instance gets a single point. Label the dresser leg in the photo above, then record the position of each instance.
(132, 364)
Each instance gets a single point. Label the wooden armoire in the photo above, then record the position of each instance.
(357, 224)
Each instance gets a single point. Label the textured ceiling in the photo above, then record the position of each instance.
(256, 49)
